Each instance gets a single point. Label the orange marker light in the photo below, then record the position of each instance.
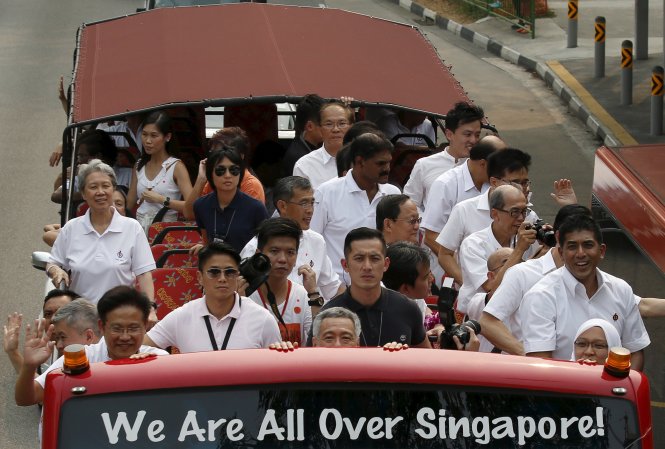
(76, 361)
(618, 362)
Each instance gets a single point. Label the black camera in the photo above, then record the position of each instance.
(545, 236)
(445, 305)
(255, 270)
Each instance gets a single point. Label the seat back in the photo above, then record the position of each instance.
(170, 256)
(174, 287)
(156, 228)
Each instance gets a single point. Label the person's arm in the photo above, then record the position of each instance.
(37, 349)
(146, 285)
(498, 334)
(538, 317)
(10, 342)
(564, 193)
(181, 178)
(50, 234)
(132, 195)
(449, 264)
(148, 341)
(637, 360)
(652, 307)
(525, 238)
(430, 241)
(195, 192)
(57, 275)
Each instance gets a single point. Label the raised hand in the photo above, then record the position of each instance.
(38, 346)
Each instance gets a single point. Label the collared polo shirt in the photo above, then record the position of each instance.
(450, 188)
(473, 255)
(424, 173)
(344, 206)
(393, 317)
(554, 308)
(311, 252)
(518, 280)
(318, 166)
(185, 327)
(101, 262)
(235, 224)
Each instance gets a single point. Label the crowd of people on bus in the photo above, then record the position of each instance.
(354, 259)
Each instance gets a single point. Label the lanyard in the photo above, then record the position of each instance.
(228, 331)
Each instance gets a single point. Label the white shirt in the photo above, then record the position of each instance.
(295, 311)
(473, 255)
(556, 307)
(318, 166)
(391, 126)
(424, 173)
(164, 184)
(450, 188)
(101, 262)
(98, 352)
(343, 206)
(518, 280)
(185, 327)
(311, 252)
(121, 141)
(474, 311)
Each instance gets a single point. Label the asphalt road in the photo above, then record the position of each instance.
(36, 43)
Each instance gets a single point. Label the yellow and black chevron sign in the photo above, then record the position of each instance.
(657, 84)
(626, 58)
(600, 32)
(572, 9)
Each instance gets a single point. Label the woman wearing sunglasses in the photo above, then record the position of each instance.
(227, 215)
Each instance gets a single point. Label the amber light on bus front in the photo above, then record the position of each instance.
(618, 362)
(76, 361)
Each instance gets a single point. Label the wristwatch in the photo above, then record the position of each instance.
(315, 302)
(167, 201)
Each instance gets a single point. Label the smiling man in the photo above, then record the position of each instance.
(555, 307)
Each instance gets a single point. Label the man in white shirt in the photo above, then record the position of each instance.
(508, 229)
(220, 320)
(123, 316)
(556, 306)
(458, 184)
(408, 122)
(463, 124)
(320, 165)
(293, 198)
(290, 303)
(350, 202)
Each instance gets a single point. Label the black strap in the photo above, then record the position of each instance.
(228, 331)
(273, 306)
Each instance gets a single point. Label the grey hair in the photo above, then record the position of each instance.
(95, 165)
(284, 187)
(335, 312)
(497, 198)
(79, 314)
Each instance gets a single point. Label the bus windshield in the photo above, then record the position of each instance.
(346, 415)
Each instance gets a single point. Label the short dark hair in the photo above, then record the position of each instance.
(277, 227)
(579, 222)
(230, 136)
(216, 157)
(123, 296)
(481, 151)
(363, 233)
(568, 211)
(463, 113)
(99, 145)
(511, 159)
(368, 145)
(284, 188)
(389, 207)
(217, 248)
(306, 111)
(343, 160)
(57, 292)
(360, 128)
(335, 102)
(405, 259)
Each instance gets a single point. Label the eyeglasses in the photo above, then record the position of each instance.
(234, 170)
(305, 204)
(515, 213)
(411, 221)
(229, 273)
(331, 125)
(519, 184)
(583, 344)
(131, 330)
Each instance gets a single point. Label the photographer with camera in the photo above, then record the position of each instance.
(289, 302)
(221, 319)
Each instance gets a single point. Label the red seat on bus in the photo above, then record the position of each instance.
(174, 287)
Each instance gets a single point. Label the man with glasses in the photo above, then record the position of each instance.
(293, 198)
(320, 165)
(221, 319)
(508, 229)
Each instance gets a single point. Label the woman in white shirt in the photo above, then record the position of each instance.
(159, 180)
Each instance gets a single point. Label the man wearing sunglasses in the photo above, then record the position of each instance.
(221, 319)
(508, 229)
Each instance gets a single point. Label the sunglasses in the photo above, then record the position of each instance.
(234, 170)
(229, 273)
